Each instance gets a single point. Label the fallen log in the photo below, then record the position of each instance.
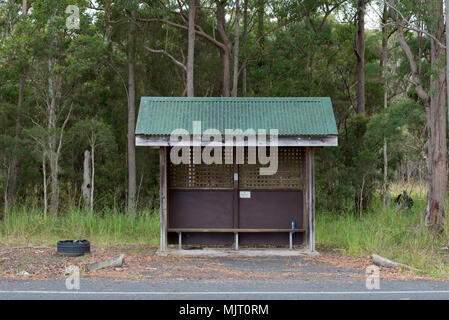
(387, 263)
(116, 261)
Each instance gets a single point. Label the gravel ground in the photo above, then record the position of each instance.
(143, 262)
(146, 275)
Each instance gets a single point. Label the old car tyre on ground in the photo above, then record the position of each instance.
(73, 248)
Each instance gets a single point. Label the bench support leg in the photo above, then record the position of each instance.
(236, 236)
(180, 240)
(291, 239)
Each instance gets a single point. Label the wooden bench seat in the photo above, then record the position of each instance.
(236, 232)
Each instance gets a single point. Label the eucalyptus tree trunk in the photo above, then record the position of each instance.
(191, 49)
(244, 39)
(260, 23)
(131, 115)
(437, 124)
(225, 50)
(107, 11)
(85, 189)
(53, 157)
(359, 50)
(92, 177)
(447, 54)
(383, 66)
(12, 180)
(53, 85)
(44, 173)
(235, 82)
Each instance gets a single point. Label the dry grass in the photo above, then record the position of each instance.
(26, 226)
(401, 236)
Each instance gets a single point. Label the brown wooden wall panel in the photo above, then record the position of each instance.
(200, 209)
(271, 209)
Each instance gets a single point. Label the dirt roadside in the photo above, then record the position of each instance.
(141, 261)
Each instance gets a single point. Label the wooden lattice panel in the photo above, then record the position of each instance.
(201, 176)
(288, 175)
(216, 176)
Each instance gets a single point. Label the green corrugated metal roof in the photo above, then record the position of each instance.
(291, 116)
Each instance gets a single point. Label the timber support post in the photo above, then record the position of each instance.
(163, 164)
(311, 197)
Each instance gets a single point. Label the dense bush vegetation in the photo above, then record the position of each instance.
(298, 59)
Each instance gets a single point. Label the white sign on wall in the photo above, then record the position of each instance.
(245, 194)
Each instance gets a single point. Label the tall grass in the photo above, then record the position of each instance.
(401, 236)
(25, 226)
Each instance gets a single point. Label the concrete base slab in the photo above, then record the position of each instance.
(239, 253)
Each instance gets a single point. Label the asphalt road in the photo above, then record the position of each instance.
(260, 278)
(91, 288)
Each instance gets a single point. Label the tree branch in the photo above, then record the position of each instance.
(168, 55)
(416, 80)
(180, 26)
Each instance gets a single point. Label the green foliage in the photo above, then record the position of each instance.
(350, 184)
(91, 133)
(312, 55)
(400, 236)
